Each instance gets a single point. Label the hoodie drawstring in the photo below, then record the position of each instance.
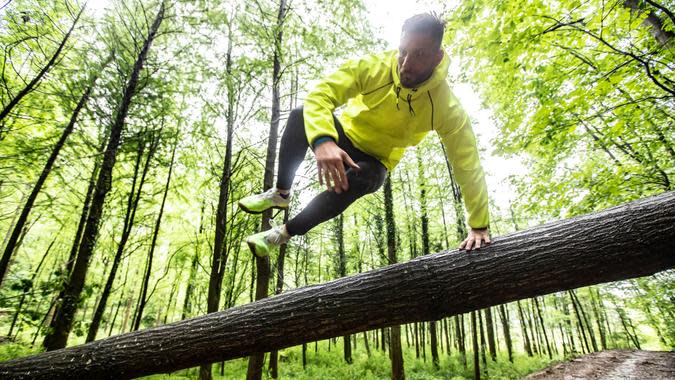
(398, 91)
(410, 107)
(408, 99)
(432, 109)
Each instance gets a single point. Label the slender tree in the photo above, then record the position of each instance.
(133, 200)
(503, 313)
(63, 320)
(220, 254)
(23, 217)
(426, 247)
(148, 266)
(255, 363)
(395, 351)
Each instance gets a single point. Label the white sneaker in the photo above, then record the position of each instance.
(255, 204)
(262, 243)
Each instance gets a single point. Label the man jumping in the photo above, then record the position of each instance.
(392, 101)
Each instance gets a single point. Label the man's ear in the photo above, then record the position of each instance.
(439, 57)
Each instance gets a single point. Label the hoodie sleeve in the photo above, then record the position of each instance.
(460, 147)
(333, 91)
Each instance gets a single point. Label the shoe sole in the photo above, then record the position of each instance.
(246, 209)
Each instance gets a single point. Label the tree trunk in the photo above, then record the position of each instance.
(417, 340)
(85, 211)
(523, 326)
(23, 217)
(365, 342)
(426, 247)
(489, 324)
(342, 272)
(461, 342)
(543, 328)
(568, 322)
(627, 326)
(187, 302)
(448, 339)
(395, 352)
(423, 341)
(481, 330)
(589, 326)
(434, 344)
(63, 320)
(582, 331)
(546, 259)
(598, 320)
(132, 205)
(148, 269)
(534, 332)
(255, 363)
(274, 355)
(474, 341)
(220, 252)
(507, 331)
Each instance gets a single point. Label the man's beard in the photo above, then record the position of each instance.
(410, 81)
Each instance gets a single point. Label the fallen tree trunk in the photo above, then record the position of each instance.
(632, 240)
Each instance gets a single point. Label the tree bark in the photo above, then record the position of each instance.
(633, 240)
(63, 320)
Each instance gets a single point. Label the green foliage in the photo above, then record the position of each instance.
(15, 350)
(326, 364)
(592, 126)
(578, 91)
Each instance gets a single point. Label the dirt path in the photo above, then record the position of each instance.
(613, 365)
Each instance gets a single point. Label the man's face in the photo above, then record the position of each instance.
(418, 55)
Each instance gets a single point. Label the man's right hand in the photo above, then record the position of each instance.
(330, 160)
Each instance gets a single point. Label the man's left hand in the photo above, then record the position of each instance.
(475, 239)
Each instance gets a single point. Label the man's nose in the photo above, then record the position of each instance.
(404, 63)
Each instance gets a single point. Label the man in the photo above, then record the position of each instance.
(393, 100)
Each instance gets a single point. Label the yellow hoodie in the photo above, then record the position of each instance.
(382, 118)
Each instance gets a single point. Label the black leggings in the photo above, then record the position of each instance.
(328, 204)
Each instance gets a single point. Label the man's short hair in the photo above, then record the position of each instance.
(429, 23)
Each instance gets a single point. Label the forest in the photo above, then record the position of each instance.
(130, 129)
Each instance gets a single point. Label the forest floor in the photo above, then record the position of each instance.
(613, 364)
